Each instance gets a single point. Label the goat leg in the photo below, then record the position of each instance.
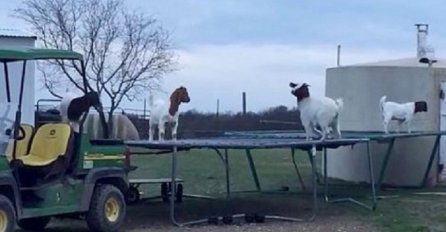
(386, 124)
(174, 131)
(408, 127)
(151, 132)
(161, 131)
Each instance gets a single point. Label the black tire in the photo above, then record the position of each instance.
(164, 192)
(260, 218)
(249, 218)
(228, 219)
(179, 193)
(213, 220)
(132, 196)
(7, 214)
(34, 224)
(106, 197)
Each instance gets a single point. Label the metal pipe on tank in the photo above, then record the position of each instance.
(338, 60)
(421, 39)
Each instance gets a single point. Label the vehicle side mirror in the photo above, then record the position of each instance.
(8, 132)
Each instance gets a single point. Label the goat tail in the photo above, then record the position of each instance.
(382, 101)
(340, 104)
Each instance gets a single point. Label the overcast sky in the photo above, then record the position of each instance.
(226, 47)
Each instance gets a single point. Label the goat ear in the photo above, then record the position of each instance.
(292, 85)
(306, 85)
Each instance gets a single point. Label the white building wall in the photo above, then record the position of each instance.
(361, 87)
(15, 72)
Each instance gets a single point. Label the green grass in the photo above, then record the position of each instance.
(203, 173)
(410, 213)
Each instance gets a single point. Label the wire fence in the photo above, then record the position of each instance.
(44, 105)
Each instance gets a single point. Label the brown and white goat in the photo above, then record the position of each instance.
(167, 113)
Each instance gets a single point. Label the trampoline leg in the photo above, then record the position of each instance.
(385, 163)
(253, 169)
(173, 190)
(372, 176)
(431, 160)
(314, 183)
(302, 184)
(225, 160)
(228, 183)
(314, 163)
(172, 195)
(351, 199)
(325, 176)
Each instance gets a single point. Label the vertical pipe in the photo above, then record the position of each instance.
(228, 183)
(434, 152)
(372, 176)
(338, 59)
(218, 107)
(173, 184)
(384, 163)
(144, 113)
(313, 181)
(8, 91)
(244, 102)
(252, 167)
(325, 175)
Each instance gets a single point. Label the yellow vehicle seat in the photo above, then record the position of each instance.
(22, 145)
(50, 142)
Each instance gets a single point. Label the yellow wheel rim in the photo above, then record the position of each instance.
(3, 221)
(112, 209)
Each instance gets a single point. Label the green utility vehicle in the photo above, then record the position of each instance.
(53, 171)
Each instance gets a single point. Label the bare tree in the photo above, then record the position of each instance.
(125, 52)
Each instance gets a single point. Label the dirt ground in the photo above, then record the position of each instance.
(154, 216)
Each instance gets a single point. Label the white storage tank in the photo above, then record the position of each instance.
(403, 80)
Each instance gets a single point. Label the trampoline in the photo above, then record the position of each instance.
(222, 147)
(372, 136)
(294, 140)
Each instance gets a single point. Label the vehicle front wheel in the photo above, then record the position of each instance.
(107, 209)
(7, 215)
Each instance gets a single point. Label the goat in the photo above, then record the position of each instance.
(400, 112)
(167, 112)
(323, 112)
(123, 127)
(72, 107)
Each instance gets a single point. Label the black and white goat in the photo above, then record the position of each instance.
(73, 107)
(400, 112)
(323, 112)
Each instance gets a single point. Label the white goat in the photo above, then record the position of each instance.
(167, 112)
(323, 112)
(400, 112)
(123, 128)
(73, 107)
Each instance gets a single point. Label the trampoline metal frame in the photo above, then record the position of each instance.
(311, 146)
